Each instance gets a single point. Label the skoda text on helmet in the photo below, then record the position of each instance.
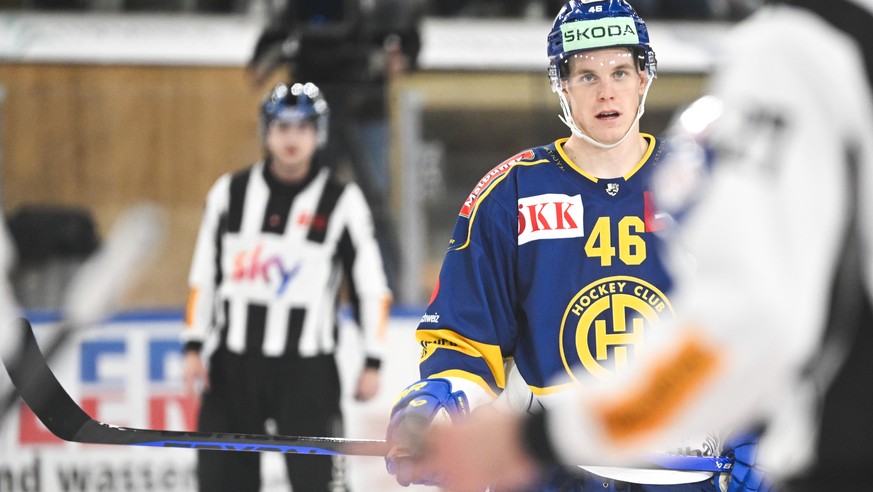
(294, 104)
(584, 25)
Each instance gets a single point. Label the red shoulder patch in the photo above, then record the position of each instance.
(499, 170)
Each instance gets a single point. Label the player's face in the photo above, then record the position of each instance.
(292, 145)
(604, 89)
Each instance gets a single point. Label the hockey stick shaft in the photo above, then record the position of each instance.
(54, 407)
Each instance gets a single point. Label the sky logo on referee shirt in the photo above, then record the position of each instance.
(248, 265)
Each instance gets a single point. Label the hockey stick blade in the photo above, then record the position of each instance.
(53, 406)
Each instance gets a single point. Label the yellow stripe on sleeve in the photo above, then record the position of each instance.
(433, 340)
(548, 390)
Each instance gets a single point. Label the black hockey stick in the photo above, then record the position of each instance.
(54, 407)
(98, 285)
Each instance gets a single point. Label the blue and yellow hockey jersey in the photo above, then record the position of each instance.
(548, 266)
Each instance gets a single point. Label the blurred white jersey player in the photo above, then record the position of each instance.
(780, 235)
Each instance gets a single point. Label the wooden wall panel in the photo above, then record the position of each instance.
(106, 137)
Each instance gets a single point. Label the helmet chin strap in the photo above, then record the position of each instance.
(567, 118)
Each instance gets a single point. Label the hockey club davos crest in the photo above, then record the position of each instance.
(605, 324)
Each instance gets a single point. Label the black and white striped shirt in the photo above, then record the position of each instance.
(268, 266)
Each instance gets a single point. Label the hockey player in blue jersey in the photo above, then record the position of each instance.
(553, 265)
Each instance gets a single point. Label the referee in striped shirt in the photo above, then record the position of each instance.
(276, 240)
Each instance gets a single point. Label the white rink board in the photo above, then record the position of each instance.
(128, 373)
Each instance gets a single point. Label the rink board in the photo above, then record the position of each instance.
(128, 372)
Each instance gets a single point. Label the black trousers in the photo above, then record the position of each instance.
(302, 396)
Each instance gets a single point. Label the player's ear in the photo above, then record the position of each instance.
(564, 86)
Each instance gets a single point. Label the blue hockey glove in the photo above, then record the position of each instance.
(745, 476)
(413, 413)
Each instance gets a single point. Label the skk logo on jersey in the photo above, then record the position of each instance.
(249, 266)
(549, 216)
(605, 324)
(501, 169)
